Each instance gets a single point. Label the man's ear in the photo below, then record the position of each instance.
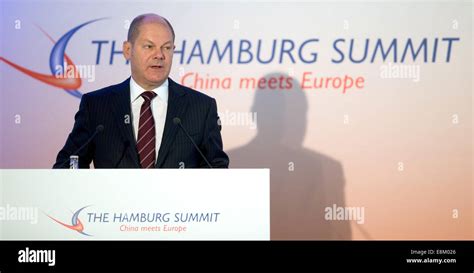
(127, 49)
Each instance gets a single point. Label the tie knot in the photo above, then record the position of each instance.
(148, 95)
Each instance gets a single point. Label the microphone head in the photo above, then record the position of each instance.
(176, 120)
(99, 128)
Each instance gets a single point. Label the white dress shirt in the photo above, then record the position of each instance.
(159, 106)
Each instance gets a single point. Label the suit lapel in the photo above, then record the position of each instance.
(121, 107)
(177, 104)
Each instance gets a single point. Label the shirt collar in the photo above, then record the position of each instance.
(136, 90)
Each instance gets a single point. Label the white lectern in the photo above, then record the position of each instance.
(179, 204)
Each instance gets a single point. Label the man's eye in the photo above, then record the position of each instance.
(148, 46)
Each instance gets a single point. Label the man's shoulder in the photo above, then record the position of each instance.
(193, 94)
(108, 90)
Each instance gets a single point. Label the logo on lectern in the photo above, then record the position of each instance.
(76, 223)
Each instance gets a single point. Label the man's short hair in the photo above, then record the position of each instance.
(140, 20)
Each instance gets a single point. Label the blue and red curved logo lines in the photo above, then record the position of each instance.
(57, 58)
(76, 223)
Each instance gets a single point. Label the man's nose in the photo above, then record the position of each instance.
(159, 54)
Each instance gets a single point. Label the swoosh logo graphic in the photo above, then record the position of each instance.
(76, 224)
(57, 59)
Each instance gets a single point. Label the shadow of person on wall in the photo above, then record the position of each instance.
(303, 183)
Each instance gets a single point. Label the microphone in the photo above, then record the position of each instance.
(98, 130)
(177, 121)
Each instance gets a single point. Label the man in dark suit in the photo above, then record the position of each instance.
(142, 122)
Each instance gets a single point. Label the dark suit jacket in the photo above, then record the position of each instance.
(115, 146)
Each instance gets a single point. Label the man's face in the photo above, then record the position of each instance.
(150, 55)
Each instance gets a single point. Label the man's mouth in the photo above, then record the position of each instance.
(156, 66)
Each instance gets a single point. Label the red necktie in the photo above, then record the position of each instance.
(146, 132)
